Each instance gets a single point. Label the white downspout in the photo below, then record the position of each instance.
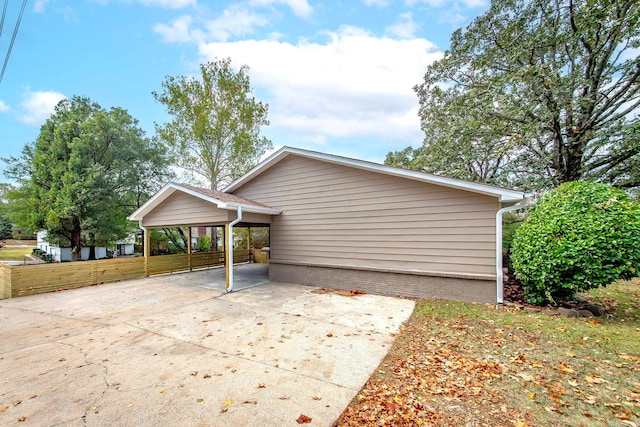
(499, 272)
(230, 248)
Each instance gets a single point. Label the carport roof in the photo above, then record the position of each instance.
(221, 200)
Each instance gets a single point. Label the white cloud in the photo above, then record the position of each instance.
(378, 3)
(177, 32)
(354, 85)
(170, 4)
(39, 5)
(404, 28)
(453, 3)
(236, 20)
(301, 8)
(38, 106)
(4, 107)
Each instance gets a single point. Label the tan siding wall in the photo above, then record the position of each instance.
(343, 216)
(184, 209)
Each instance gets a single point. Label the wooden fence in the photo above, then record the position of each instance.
(23, 280)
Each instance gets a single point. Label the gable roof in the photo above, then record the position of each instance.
(504, 195)
(221, 200)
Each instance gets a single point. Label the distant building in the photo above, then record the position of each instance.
(63, 253)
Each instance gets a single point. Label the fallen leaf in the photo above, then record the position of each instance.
(525, 376)
(592, 379)
(223, 410)
(228, 402)
(200, 400)
(316, 398)
(303, 419)
(3, 408)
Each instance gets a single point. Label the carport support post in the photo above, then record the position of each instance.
(189, 248)
(146, 249)
(249, 242)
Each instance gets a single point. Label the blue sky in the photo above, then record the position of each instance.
(337, 75)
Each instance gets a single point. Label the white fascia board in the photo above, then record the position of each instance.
(251, 209)
(503, 194)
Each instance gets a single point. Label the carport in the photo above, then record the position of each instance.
(183, 205)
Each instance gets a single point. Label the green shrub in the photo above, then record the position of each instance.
(580, 236)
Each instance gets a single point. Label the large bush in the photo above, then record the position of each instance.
(579, 236)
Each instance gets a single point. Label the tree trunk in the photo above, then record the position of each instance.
(76, 243)
(92, 247)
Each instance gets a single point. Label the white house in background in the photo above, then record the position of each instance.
(59, 254)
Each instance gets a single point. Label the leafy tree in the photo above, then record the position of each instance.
(88, 170)
(5, 228)
(537, 93)
(579, 236)
(203, 244)
(215, 131)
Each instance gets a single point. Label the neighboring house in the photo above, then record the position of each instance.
(337, 222)
(61, 253)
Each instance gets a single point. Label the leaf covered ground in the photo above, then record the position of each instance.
(457, 364)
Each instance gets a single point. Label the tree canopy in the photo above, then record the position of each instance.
(87, 171)
(536, 93)
(215, 131)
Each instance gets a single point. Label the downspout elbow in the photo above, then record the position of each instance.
(230, 247)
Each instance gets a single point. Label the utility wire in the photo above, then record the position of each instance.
(13, 38)
(4, 13)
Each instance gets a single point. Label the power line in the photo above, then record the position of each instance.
(13, 38)
(4, 13)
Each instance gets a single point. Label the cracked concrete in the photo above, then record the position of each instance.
(178, 350)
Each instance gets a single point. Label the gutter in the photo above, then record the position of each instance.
(499, 273)
(230, 248)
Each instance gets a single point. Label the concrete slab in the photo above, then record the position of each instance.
(177, 350)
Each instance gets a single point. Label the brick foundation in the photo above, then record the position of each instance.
(385, 283)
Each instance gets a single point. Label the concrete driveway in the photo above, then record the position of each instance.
(178, 350)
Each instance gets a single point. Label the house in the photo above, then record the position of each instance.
(345, 223)
(61, 253)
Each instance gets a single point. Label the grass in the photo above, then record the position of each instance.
(468, 364)
(14, 254)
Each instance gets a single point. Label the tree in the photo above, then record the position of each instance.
(540, 92)
(87, 171)
(215, 130)
(5, 228)
(579, 236)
